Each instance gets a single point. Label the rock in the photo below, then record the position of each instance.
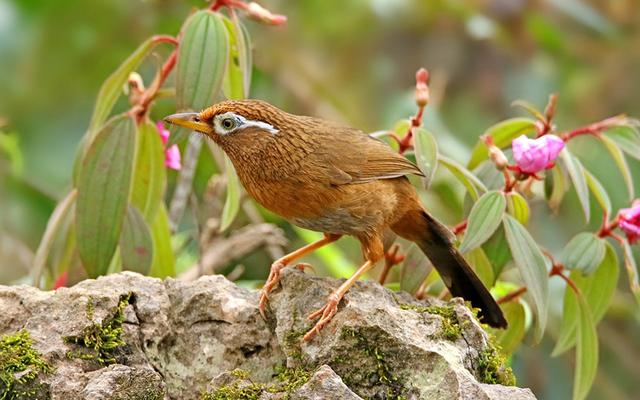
(126, 336)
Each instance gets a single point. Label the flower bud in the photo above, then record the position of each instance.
(172, 157)
(535, 155)
(258, 13)
(422, 89)
(629, 221)
(498, 158)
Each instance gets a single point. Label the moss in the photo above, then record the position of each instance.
(379, 375)
(101, 342)
(451, 328)
(20, 365)
(243, 388)
(492, 368)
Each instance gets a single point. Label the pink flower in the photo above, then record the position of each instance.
(261, 14)
(629, 221)
(535, 155)
(171, 154)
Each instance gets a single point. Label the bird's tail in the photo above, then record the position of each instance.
(436, 241)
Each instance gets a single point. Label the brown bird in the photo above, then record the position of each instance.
(334, 179)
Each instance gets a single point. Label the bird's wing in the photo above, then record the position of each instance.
(354, 157)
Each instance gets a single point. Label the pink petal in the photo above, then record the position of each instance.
(534, 155)
(172, 157)
(554, 145)
(163, 132)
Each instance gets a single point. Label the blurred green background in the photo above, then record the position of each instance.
(354, 61)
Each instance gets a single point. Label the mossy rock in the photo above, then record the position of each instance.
(20, 368)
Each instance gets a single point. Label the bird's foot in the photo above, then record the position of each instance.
(272, 281)
(303, 266)
(325, 313)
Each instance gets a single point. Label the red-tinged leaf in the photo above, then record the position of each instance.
(503, 134)
(54, 225)
(149, 179)
(104, 185)
(484, 219)
(136, 244)
(202, 60)
(533, 270)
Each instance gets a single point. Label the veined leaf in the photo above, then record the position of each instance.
(518, 207)
(627, 138)
(600, 194)
(415, 268)
(533, 269)
(238, 72)
(468, 179)
(136, 244)
(621, 163)
(426, 149)
(632, 270)
(232, 203)
(503, 134)
(484, 219)
(584, 252)
(497, 251)
(598, 290)
(149, 176)
(50, 233)
(202, 59)
(574, 168)
(164, 260)
(112, 87)
(104, 185)
(481, 265)
(510, 338)
(586, 351)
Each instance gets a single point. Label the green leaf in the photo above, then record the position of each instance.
(533, 269)
(600, 194)
(559, 189)
(468, 179)
(54, 226)
(104, 185)
(136, 244)
(164, 261)
(202, 60)
(415, 269)
(598, 290)
(574, 168)
(112, 87)
(509, 339)
(503, 134)
(481, 265)
(627, 138)
(621, 163)
(518, 207)
(426, 150)
(149, 176)
(232, 203)
(632, 270)
(584, 252)
(238, 72)
(586, 351)
(497, 251)
(484, 219)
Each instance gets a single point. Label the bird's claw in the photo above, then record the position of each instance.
(272, 281)
(303, 266)
(325, 313)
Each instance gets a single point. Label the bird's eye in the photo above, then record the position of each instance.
(228, 123)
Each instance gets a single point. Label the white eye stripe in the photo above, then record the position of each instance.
(241, 123)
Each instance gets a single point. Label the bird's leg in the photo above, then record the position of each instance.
(279, 264)
(331, 307)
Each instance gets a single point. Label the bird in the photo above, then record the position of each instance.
(334, 179)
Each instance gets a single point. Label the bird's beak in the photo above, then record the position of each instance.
(189, 120)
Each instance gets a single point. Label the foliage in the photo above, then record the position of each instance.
(124, 210)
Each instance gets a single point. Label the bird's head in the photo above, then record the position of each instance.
(234, 122)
